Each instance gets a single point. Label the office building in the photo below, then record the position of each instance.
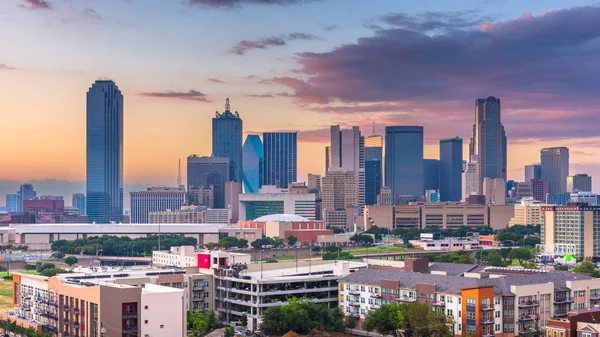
(42, 207)
(328, 162)
(25, 192)
(571, 229)
(227, 140)
(347, 153)
(314, 184)
(528, 212)
(589, 198)
(522, 190)
(78, 201)
(488, 141)
(541, 188)
(558, 199)
(404, 160)
(202, 197)
(155, 199)
(104, 156)
(204, 172)
(385, 196)
(280, 161)
(533, 171)
(555, 168)
(232, 192)
(373, 168)
(494, 191)
(191, 214)
(338, 189)
(12, 201)
(469, 181)
(580, 183)
(271, 200)
(431, 174)
(451, 163)
(252, 154)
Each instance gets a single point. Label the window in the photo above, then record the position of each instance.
(497, 300)
(459, 327)
(162, 326)
(146, 322)
(459, 313)
(470, 315)
(497, 327)
(586, 334)
(450, 312)
(470, 328)
(362, 300)
(471, 302)
(146, 307)
(497, 314)
(362, 311)
(449, 299)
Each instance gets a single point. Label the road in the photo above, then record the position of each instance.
(216, 333)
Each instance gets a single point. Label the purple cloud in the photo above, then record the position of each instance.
(5, 67)
(36, 4)
(237, 3)
(266, 42)
(216, 80)
(260, 95)
(192, 95)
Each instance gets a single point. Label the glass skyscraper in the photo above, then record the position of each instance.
(227, 140)
(404, 160)
(78, 201)
(204, 172)
(431, 175)
(280, 159)
(373, 168)
(252, 155)
(104, 153)
(555, 168)
(451, 164)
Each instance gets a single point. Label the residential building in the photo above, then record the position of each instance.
(580, 183)
(469, 181)
(271, 200)
(11, 203)
(339, 189)
(541, 188)
(571, 229)
(494, 190)
(385, 196)
(280, 162)
(155, 199)
(575, 323)
(451, 162)
(191, 214)
(404, 160)
(488, 141)
(252, 155)
(204, 172)
(232, 201)
(555, 168)
(373, 168)
(431, 174)
(104, 153)
(347, 154)
(589, 198)
(533, 171)
(528, 212)
(78, 201)
(227, 141)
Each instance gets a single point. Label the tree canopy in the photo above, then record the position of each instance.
(301, 316)
(416, 319)
(109, 245)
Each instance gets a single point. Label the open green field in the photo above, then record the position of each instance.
(380, 250)
(6, 296)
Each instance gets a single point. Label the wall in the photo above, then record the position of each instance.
(156, 321)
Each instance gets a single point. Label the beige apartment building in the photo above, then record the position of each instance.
(528, 212)
(191, 215)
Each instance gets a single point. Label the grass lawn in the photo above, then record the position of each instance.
(22, 271)
(379, 250)
(6, 296)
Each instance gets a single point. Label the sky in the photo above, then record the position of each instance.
(294, 65)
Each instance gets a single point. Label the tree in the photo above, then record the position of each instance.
(495, 259)
(416, 319)
(228, 242)
(229, 332)
(53, 272)
(242, 243)
(584, 267)
(316, 248)
(292, 240)
(301, 316)
(362, 239)
(531, 241)
(244, 320)
(71, 260)
(40, 266)
(332, 249)
(197, 323)
(57, 255)
(351, 322)
(211, 319)
(561, 267)
(278, 242)
(521, 254)
(28, 266)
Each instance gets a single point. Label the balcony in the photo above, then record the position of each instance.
(130, 330)
(374, 306)
(487, 334)
(565, 300)
(130, 315)
(198, 299)
(526, 318)
(405, 299)
(354, 292)
(593, 297)
(355, 304)
(560, 313)
(76, 311)
(198, 287)
(439, 304)
(375, 295)
(529, 304)
(487, 308)
(487, 321)
(76, 325)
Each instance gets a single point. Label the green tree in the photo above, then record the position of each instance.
(228, 242)
(332, 249)
(229, 332)
(53, 272)
(211, 319)
(531, 241)
(561, 267)
(521, 254)
(301, 316)
(242, 243)
(278, 242)
(71, 261)
(316, 248)
(362, 239)
(584, 267)
(244, 320)
(28, 266)
(495, 259)
(351, 322)
(292, 240)
(197, 323)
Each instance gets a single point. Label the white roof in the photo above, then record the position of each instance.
(280, 218)
(117, 228)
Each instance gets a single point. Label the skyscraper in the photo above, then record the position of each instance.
(431, 175)
(488, 141)
(347, 152)
(338, 189)
(579, 182)
(404, 160)
(25, 192)
(280, 162)
(252, 154)
(11, 202)
(156, 199)
(373, 168)
(104, 161)
(469, 181)
(555, 168)
(540, 189)
(451, 169)
(533, 171)
(494, 190)
(204, 172)
(78, 201)
(227, 140)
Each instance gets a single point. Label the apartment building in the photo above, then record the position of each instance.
(528, 212)
(483, 302)
(571, 229)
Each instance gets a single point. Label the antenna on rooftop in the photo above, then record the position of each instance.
(227, 104)
(179, 173)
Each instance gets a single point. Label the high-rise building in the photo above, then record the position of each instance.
(347, 153)
(314, 184)
(540, 189)
(451, 169)
(204, 172)
(431, 174)
(327, 158)
(528, 212)
(469, 181)
(488, 141)
(571, 229)
(232, 200)
(155, 199)
(373, 168)
(227, 140)
(404, 160)
(580, 183)
(252, 154)
(280, 161)
(555, 168)
(12, 201)
(338, 189)
(78, 201)
(26, 192)
(385, 196)
(494, 190)
(533, 171)
(104, 161)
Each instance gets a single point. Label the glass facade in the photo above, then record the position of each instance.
(404, 160)
(431, 175)
(78, 201)
(256, 209)
(227, 140)
(104, 161)
(280, 158)
(204, 172)
(373, 168)
(252, 154)
(555, 168)
(451, 169)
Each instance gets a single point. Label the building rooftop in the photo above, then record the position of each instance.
(116, 228)
(281, 218)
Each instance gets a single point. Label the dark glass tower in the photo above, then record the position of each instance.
(451, 163)
(373, 168)
(404, 160)
(104, 156)
(280, 158)
(227, 140)
(204, 172)
(252, 154)
(431, 175)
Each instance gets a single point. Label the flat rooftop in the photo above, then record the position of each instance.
(116, 228)
(305, 271)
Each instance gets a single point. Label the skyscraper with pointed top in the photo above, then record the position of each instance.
(227, 140)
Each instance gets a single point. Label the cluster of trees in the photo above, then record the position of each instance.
(9, 247)
(524, 236)
(198, 323)
(415, 319)
(275, 242)
(455, 257)
(505, 256)
(587, 267)
(10, 326)
(120, 245)
(228, 242)
(362, 239)
(301, 316)
(46, 269)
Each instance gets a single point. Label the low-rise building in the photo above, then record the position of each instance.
(272, 200)
(449, 244)
(286, 225)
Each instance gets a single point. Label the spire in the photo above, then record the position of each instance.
(179, 173)
(227, 104)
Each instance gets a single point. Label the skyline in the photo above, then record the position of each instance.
(292, 67)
